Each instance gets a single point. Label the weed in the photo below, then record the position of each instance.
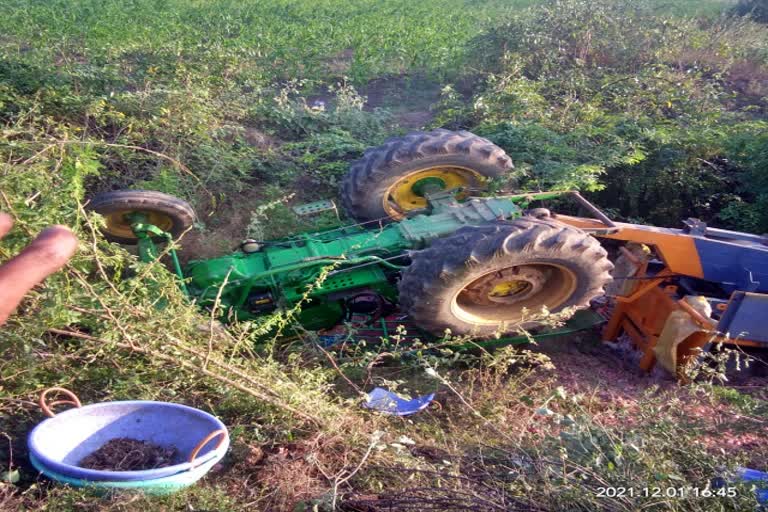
(236, 105)
(612, 97)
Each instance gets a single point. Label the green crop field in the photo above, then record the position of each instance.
(657, 110)
(264, 41)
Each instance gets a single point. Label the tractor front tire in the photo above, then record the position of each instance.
(497, 279)
(384, 184)
(169, 213)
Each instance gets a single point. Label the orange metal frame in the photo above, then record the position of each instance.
(643, 313)
(675, 248)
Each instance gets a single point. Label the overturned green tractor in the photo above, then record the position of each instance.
(423, 237)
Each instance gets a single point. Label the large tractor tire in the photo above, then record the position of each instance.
(495, 279)
(388, 182)
(169, 213)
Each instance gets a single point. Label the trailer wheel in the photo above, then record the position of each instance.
(165, 211)
(389, 181)
(495, 279)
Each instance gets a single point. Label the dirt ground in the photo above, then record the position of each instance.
(410, 99)
(612, 379)
(224, 228)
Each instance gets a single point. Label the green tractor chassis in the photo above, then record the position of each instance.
(474, 265)
(326, 267)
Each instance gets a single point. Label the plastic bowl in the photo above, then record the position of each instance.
(59, 443)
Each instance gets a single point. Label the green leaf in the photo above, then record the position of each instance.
(11, 476)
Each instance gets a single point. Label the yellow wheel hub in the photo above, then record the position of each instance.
(118, 223)
(509, 288)
(404, 196)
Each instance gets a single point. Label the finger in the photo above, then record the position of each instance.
(45, 255)
(6, 223)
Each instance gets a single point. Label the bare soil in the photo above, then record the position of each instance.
(617, 387)
(225, 227)
(410, 99)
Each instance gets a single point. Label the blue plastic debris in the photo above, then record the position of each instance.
(379, 399)
(329, 340)
(761, 480)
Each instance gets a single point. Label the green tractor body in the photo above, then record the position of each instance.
(326, 268)
(423, 238)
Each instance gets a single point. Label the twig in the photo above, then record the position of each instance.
(94, 242)
(216, 304)
(13, 212)
(31, 199)
(471, 408)
(174, 161)
(224, 366)
(10, 451)
(106, 308)
(338, 370)
(190, 366)
(42, 151)
(62, 143)
(708, 163)
(337, 483)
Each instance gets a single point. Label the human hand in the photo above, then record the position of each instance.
(45, 255)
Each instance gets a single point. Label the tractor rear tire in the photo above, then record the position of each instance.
(458, 159)
(165, 211)
(496, 279)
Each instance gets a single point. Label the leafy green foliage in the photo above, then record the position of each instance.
(756, 9)
(236, 104)
(651, 111)
(749, 149)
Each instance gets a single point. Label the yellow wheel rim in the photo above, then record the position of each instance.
(403, 196)
(117, 223)
(498, 297)
(509, 288)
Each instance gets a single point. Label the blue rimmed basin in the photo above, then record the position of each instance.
(59, 443)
